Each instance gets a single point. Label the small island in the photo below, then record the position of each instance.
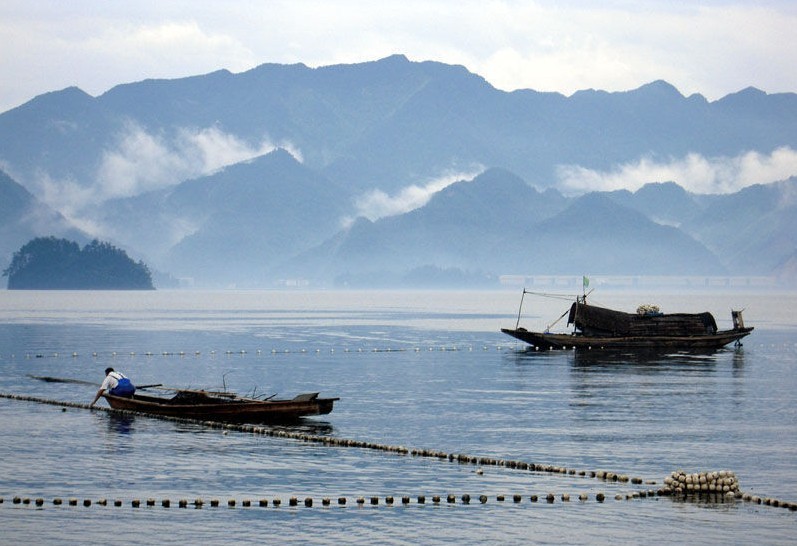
(49, 263)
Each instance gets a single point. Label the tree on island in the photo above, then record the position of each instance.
(59, 264)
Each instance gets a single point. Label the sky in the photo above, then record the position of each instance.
(713, 48)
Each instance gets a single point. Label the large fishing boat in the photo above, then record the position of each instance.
(600, 328)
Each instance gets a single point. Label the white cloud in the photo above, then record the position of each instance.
(378, 204)
(700, 48)
(143, 161)
(693, 172)
(55, 193)
(140, 161)
(95, 50)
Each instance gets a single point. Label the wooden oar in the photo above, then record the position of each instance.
(160, 386)
(62, 380)
(81, 382)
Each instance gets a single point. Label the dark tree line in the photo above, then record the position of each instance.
(60, 264)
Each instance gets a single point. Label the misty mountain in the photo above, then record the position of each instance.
(268, 174)
(233, 225)
(23, 217)
(663, 202)
(388, 123)
(462, 227)
(753, 229)
(596, 233)
(497, 224)
(60, 136)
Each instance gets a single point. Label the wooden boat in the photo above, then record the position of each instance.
(601, 328)
(224, 406)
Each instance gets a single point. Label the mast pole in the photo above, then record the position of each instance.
(520, 309)
(584, 285)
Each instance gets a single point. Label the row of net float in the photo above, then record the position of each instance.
(461, 458)
(724, 478)
(726, 484)
(345, 442)
(304, 351)
(308, 502)
(95, 354)
(327, 501)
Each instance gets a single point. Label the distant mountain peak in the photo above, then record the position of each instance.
(394, 58)
(748, 98)
(751, 91)
(65, 99)
(657, 88)
(669, 187)
(661, 87)
(281, 154)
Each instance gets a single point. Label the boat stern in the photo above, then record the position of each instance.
(738, 321)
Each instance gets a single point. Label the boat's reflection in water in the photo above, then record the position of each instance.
(631, 360)
(641, 358)
(126, 424)
(301, 426)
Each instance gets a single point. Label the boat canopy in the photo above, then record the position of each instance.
(592, 320)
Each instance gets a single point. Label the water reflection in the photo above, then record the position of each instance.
(738, 361)
(307, 426)
(121, 424)
(647, 360)
(528, 356)
(625, 360)
(711, 502)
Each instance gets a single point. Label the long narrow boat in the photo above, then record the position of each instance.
(224, 407)
(601, 328)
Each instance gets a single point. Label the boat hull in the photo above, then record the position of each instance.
(543, 340)
(234, 410)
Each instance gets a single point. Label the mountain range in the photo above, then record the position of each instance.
(287, 173)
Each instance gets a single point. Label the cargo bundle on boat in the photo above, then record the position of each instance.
(598, 327)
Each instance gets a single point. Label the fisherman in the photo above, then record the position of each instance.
(116, 384)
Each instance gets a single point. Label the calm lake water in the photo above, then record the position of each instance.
(425, 370)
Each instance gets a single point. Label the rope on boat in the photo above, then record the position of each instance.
(553, 295)
(551, 325)
(671, 487)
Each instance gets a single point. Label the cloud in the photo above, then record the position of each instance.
(615, 46)
(142, 161)
(377, 204)
(65, 196)
(693, 172)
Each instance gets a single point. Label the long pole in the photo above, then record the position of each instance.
(520, 309)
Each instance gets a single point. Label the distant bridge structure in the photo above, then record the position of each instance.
(575, 282)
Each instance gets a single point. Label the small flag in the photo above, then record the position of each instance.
(585, 281)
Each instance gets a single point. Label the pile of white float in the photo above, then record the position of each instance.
(722, 482)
